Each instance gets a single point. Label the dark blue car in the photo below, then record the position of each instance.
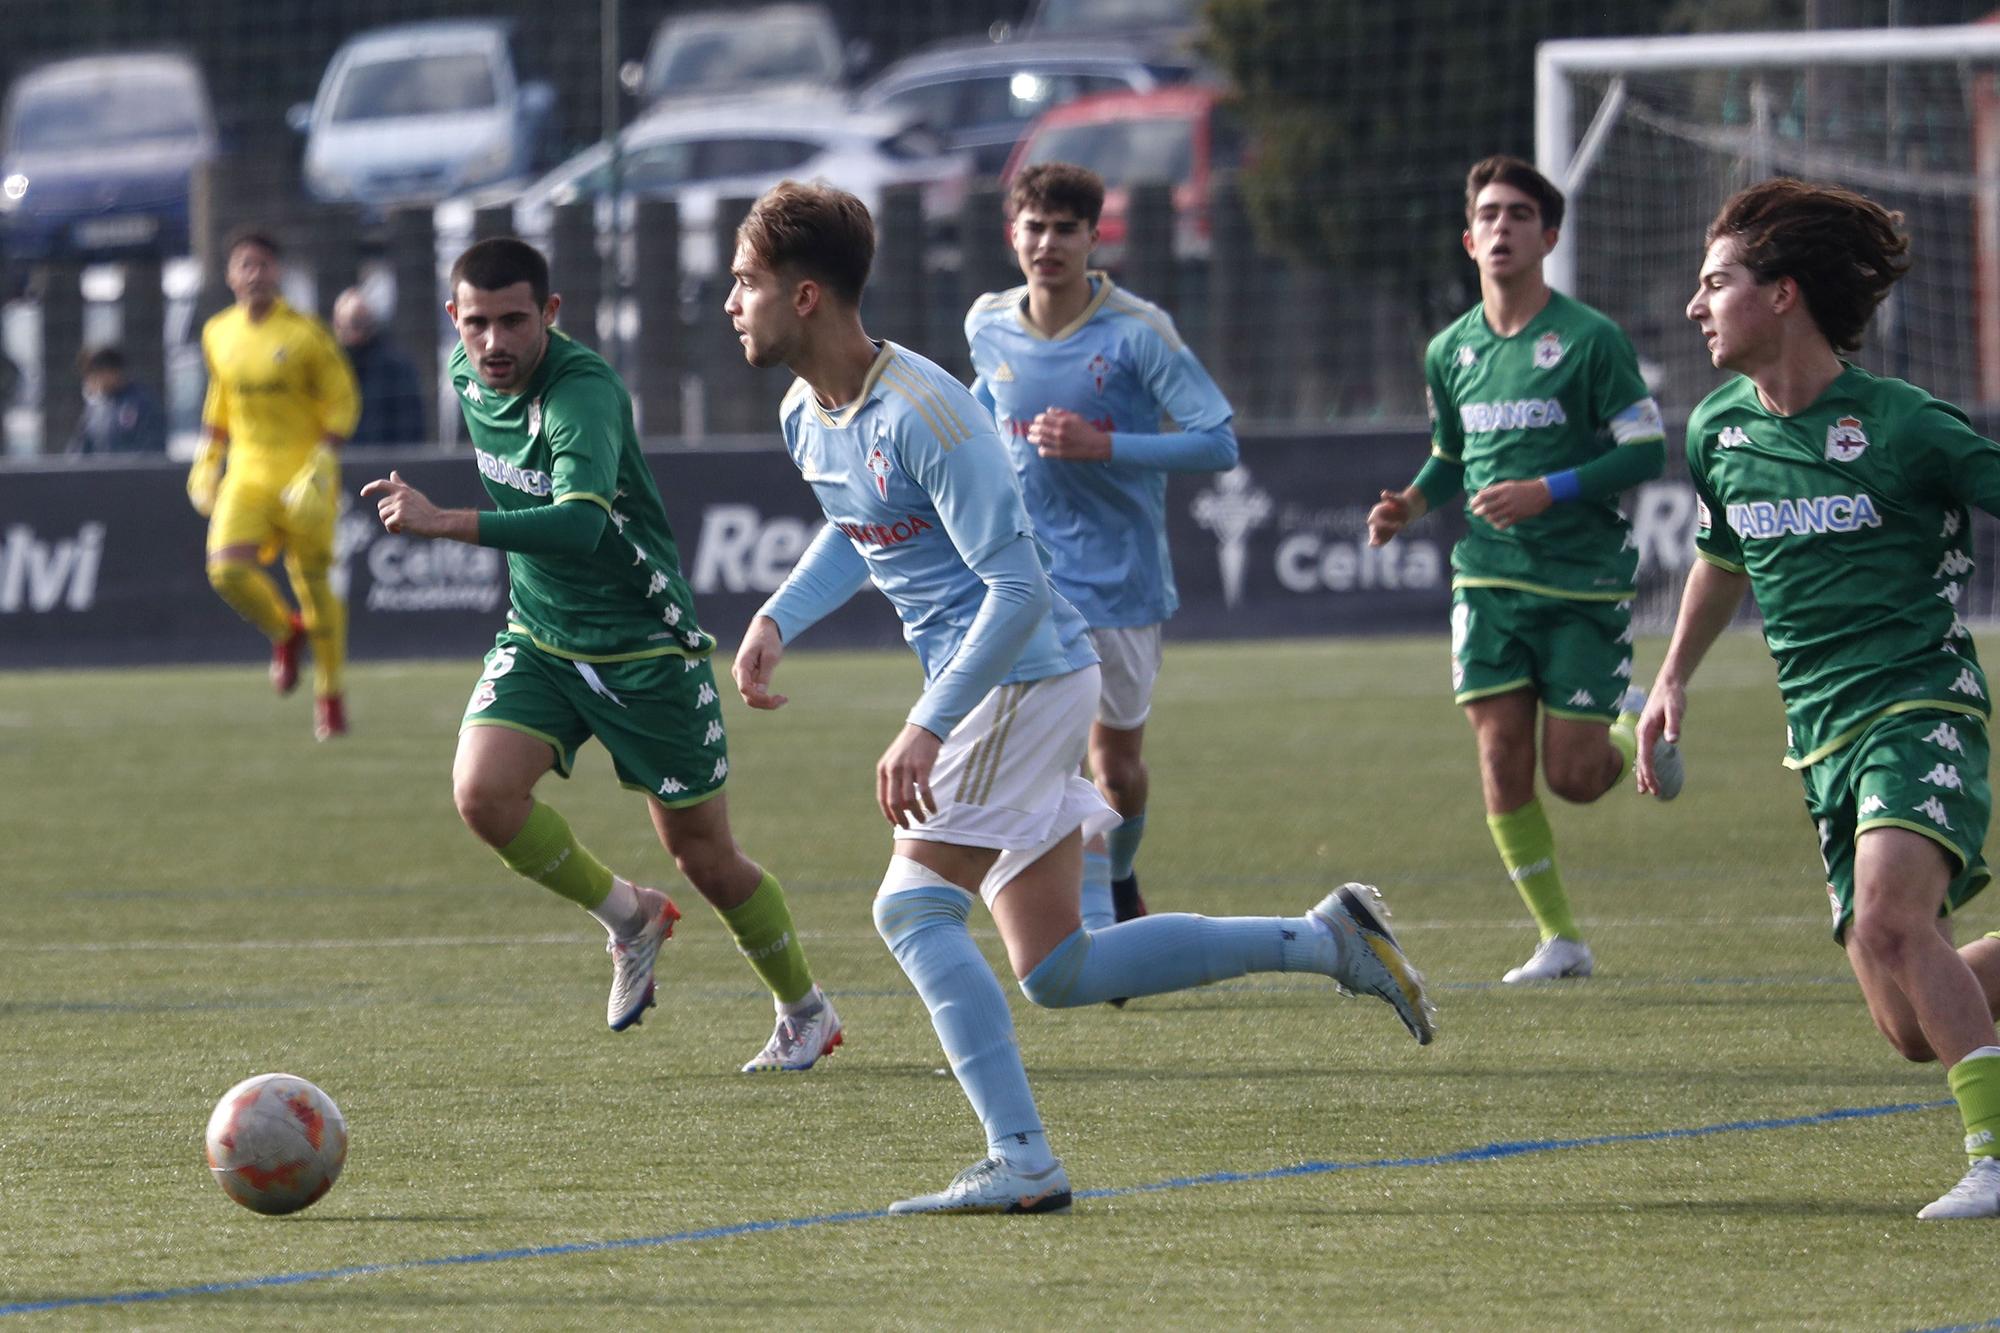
(97, 156)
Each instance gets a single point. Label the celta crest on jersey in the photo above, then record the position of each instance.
(1548, 351)
(1845, 440)
(1099, 367)
(879, 467)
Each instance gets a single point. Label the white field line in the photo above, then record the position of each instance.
(569, 939)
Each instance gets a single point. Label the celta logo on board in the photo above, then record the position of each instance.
(38, 576)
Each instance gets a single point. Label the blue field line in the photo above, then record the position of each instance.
(1960, 1328)
(1491, 1152)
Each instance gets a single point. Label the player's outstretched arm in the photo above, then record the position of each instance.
(405, 509)
(1708, 604)
(756, 661)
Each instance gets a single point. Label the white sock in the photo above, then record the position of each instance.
(805, 1004)
(621, 912)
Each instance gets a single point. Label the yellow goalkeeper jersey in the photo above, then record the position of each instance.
(276, 387)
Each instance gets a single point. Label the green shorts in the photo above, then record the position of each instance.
(1575, 655)
(660, 717)
(1922, 771)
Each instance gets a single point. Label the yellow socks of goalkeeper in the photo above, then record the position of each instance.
(1975, 1082)
(1528, 850)
(326, 627)
(252, 594)
(762, 926)
(548, 853)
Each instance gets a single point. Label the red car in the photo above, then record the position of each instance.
(1185, 136)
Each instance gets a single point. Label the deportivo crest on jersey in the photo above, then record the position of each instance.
(534, 419)
(1098, 368)
(1548, 351)
(1845, 439)
(1731, 436)
(1467, 358)
(880, 467)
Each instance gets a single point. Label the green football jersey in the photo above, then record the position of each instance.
(1564, 390)
(1851, 520)
(568, 437)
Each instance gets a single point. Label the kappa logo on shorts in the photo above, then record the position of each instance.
(1845, 440)
(483, 695)
(1583, 699)
(1944, 775)
(1945, 737)
(673, 787)
(1967, 683)
(1873, 805)
(1934, 808)
(713, 734)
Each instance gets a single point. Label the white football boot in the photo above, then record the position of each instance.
(800, 1039)
(1554, 958)
(1366, 960)
(989, 1185)
(1978, 1195)
(632, 960)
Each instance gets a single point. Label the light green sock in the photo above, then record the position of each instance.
(762, 925)
(1624, 736)
(549, 854)
(1528, 850)
(1975, 1082)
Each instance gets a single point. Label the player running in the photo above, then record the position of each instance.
(1078, 374)
(1538, 412)
(1840, 498)
(601, 640)
(981, 784)
(281, 401)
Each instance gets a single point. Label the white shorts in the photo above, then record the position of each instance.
(1131, 663)
(1007, 775)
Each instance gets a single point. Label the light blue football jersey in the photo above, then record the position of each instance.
(1121, 366)
(913, 475)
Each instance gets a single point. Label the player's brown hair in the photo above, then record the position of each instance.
(252, 235)
(1058, 187)
(499, 262)
(1844, 251)
(816, 231)
(1504, 170)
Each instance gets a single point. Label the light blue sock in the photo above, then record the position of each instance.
(1123, 842)
(1173, 952)
(1097, 910)
(924, 928)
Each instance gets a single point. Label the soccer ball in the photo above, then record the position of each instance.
(276, 1143)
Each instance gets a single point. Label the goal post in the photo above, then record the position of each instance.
(1647, 136)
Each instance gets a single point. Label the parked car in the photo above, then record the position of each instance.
(1183, 136)
(982, 94)
(737, 149)
(1173, 23)
(418, 111)
(714, 53)
(97, 155)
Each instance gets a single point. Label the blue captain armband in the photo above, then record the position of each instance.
(1563, 486)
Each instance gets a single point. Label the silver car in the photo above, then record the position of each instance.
(415, 112)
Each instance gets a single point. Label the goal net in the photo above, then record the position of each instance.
(1649, 136)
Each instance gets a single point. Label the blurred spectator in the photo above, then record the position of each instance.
(392, 403)
(120, 415)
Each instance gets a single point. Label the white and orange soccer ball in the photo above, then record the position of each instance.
(276, 1143)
